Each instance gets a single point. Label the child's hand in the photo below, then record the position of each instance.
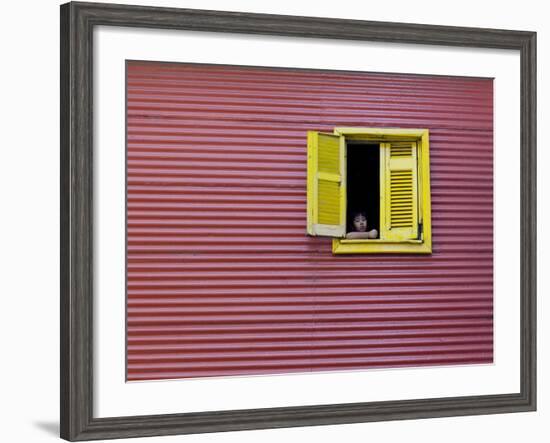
(373, 233)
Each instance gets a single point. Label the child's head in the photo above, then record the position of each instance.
(360, 222)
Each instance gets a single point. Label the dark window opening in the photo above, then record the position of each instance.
(363, 184)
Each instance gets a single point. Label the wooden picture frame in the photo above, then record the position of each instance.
(77, 376)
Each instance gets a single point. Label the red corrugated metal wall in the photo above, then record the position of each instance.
(222, 279)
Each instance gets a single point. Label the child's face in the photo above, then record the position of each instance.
(360, 223)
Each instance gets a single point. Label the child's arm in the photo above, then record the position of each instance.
(359, 235)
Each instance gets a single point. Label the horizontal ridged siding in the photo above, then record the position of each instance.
(222, 279)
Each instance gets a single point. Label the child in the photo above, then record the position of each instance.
(360, 226)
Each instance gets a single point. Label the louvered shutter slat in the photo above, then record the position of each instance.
(401, 191)
(326, 185)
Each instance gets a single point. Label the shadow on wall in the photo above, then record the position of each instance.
(49, 427)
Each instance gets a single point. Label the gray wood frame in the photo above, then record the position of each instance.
(77, 23)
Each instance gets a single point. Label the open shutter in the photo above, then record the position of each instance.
(326, 185)
(400, 191)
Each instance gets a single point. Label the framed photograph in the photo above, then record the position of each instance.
(272, 221)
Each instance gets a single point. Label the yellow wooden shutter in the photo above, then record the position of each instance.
(326, 185)
(400, 191)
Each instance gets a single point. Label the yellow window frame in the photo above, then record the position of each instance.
(388, 245)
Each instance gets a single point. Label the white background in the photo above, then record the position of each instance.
(29, 187)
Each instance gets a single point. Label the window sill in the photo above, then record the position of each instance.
(377, 246)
